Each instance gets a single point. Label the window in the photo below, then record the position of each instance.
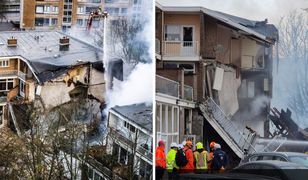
(21, 88)
(189, 68)
(124, 11)
(112, 11)
(4, 63)
(80, 22)
(167, 117)
(187, 36)
(81, 10)
(172, 33)
(130, 127)
(1, 114)
(54, 21)
(39, 9)
(6, 84)
(123, 156)
(46, 22)
(247, 89)
(39, 21)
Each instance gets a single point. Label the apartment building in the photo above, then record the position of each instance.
(10, 11)
(225, 63)
(63, 14)
(47, 66)
(130, 138)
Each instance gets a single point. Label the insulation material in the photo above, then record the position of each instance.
(218, 80)
(54, 94)
(228, 93)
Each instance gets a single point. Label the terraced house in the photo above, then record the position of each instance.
(48, 67)
(214, 80)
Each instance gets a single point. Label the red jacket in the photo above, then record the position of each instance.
(190, 167)
(160, 158)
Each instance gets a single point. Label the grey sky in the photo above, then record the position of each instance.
(273, 10)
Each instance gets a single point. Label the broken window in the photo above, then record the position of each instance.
(123, 156)
(129, 127)
(187, 35)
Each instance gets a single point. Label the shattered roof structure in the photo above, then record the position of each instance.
(138, 114)
(41, 50)
(258, 29)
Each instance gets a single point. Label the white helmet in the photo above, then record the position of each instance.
(180, 146)
(173, 144)
(217, 146)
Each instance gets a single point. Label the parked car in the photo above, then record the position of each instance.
(294, 157)
(276, 169)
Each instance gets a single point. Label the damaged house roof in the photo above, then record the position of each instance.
(138, 114)
(258, 29)
(40, 49)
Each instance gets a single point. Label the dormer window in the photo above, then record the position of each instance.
(4, 63)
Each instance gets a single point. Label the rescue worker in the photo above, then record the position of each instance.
(201, 156)
(160, 160)
(172, 168)
(220, 159)
(190, 167)
(211, 155)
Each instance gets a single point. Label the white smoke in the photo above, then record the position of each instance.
(258, 105)
(138, 88)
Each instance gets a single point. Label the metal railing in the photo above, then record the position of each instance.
(157, 46)
(147, 153)
(181, 48)
(17, 73)
(188, 93)
(214, 110)
(167, 86)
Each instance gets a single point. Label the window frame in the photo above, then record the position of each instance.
(4, 63)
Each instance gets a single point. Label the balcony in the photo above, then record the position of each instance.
(13, 74)
(181, 50)
(188, 93)
(118, 136)
(167, 86)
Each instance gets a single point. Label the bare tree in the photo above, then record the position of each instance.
(125, 41)
(293, 40)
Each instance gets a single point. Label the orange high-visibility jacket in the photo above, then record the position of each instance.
(190, 167)
(160, 158)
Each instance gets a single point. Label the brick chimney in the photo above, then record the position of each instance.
(64, 43)
(12, 42)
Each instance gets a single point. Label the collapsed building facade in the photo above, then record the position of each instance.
(49, 67)
(214, 80)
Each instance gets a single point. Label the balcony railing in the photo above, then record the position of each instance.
(116, 134)
(157, 46)
(181, 48)
(188, 93)
(167, 86)
(9, 73)
(242, 141)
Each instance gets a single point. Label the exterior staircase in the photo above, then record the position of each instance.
(241, 144)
